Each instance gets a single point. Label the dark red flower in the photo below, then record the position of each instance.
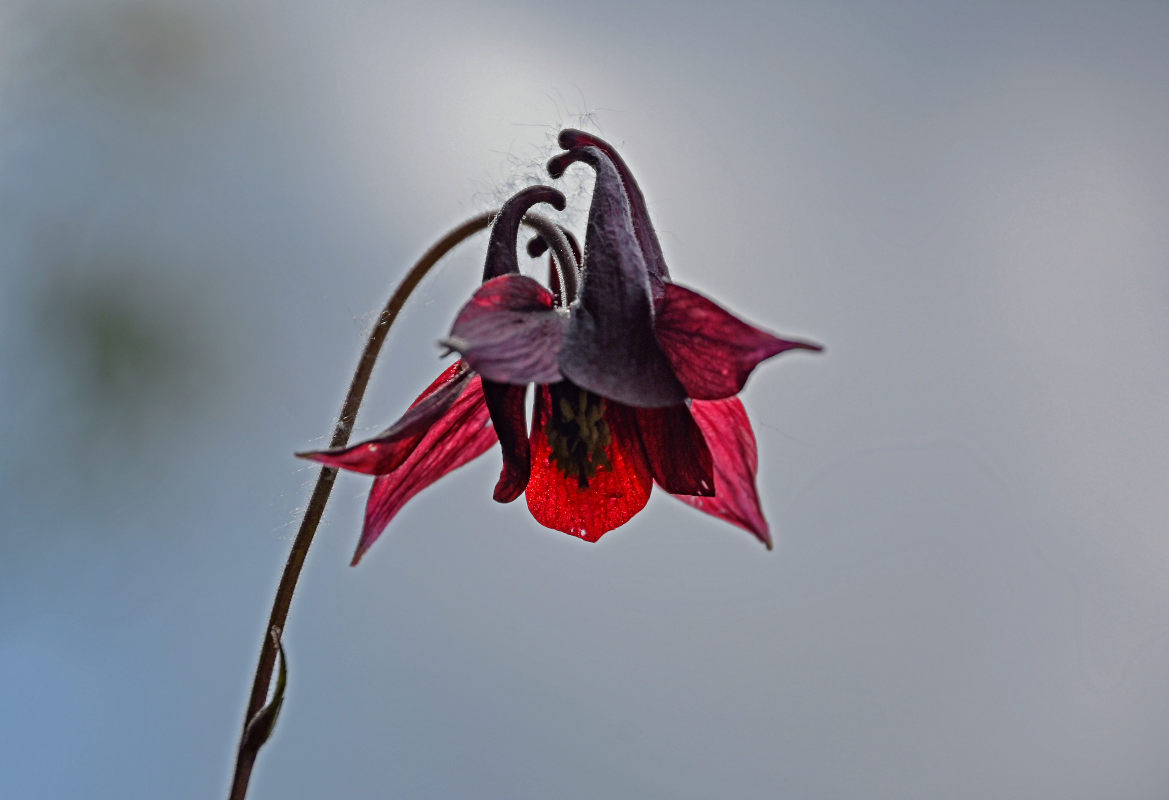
(635, 380)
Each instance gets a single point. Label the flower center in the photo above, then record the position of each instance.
(577, 432)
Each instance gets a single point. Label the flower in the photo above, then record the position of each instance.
(635, 380)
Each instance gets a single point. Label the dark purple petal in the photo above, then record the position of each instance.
(509, 332)
(501, 246)
(711, 350)
(610, 348)
(510, 419)
(615, 493)
(647, 237)
(392, 446)
(464, 433)
(676, 450)
(732, 443)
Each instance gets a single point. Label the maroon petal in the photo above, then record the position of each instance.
(647, 237)
(732, 443)
(464, 433)
(510, 420)
(391, 447)
(613, 495)
(509, 332)
(676, 450)
(712, 351)
(610, 348)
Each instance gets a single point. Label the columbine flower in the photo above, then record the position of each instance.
(635, 381)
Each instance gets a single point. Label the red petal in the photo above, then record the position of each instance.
(676, 450)
(711, 350)
(509, 332)
(388, 449)
(510, 420)
(613, 495)
(732, 443)
(464, 433)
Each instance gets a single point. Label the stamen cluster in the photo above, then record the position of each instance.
(577, 433)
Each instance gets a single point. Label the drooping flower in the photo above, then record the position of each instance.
(635, 380)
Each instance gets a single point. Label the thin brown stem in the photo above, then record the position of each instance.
(249, 746)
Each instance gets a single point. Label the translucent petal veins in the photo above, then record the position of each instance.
(732, 444)
(711, 350)
(392, 446)
(462, 434)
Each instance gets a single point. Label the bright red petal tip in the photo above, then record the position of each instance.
(462, 434)
(711, 350)
(732, 444)
(391, 447)
(614, 494)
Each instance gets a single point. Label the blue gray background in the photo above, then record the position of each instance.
(203, 204)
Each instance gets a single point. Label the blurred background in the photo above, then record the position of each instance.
(202, 207)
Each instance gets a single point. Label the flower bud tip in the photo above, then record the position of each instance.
(557, 164)
(571, 137)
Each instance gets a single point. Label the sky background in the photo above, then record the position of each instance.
(202, 207)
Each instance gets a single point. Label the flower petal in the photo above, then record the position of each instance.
(509, 332)
(647, 237)
(712, 351)
(614, 494)
(510, 420)
(732, 443)
(676, 450)
(610, 348)
(391, 447)
(464, 433)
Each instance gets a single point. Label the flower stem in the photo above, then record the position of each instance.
(250, 745)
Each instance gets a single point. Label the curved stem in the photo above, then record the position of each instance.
(565, 259)
(249, 746)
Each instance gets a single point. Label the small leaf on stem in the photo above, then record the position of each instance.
(260, 726)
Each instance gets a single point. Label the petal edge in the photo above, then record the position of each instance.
(614, 495)
(464, 433)
(732, 444)
(386, 451)
(712, 351)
